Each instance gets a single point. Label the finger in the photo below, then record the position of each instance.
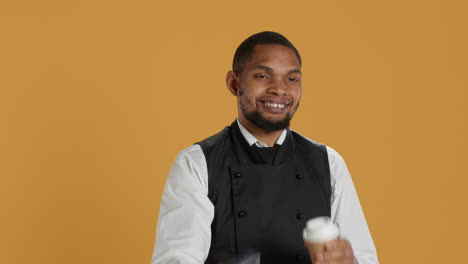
(339, 252)
(319, 258)
(342, 243)
(330, 245)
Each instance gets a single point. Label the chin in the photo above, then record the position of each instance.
(276, 119)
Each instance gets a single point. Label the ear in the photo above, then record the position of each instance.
(232, 83)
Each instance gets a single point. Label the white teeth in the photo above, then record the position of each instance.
(275, 105)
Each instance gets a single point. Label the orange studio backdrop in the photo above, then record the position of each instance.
(97, 98)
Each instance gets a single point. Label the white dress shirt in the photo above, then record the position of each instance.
(183, 234)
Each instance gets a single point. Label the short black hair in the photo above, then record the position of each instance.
(246, 48)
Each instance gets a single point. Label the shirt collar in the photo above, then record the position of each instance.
(252, 140)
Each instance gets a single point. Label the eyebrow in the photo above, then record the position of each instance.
(263, 67)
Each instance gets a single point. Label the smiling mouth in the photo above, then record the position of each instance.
(274, 105)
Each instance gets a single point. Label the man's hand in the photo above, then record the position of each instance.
(336, 252)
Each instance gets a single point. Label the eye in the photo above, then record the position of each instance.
(261, 76)
(293, 79)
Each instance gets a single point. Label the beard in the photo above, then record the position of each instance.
(267, 125)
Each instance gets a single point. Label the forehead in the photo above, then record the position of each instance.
(273, 56)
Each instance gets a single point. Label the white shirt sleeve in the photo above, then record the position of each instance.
(347, 212)
(185, 216)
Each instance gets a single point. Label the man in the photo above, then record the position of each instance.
(245, 193)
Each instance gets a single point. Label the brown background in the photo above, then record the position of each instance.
(97, 98)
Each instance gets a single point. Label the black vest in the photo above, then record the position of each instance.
(262, 208)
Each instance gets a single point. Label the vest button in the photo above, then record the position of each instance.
(237, 175)
(299, 216)
(299, 176)
(242, 213)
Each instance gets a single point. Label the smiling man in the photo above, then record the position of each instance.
(245, 194)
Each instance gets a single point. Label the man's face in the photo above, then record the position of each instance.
(269, 87)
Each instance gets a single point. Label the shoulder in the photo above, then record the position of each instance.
(214, 140)
(217, 147)
(335, 160)
(313, 148)
(193, 160)
(189, 166)
(339, 173)
(334, 157)
(191, 154)
(195, 155)
(298, 137)
(195, 152)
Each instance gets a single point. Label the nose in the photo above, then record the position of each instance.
(278, 88)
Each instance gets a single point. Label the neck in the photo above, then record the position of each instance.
(268, 138)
